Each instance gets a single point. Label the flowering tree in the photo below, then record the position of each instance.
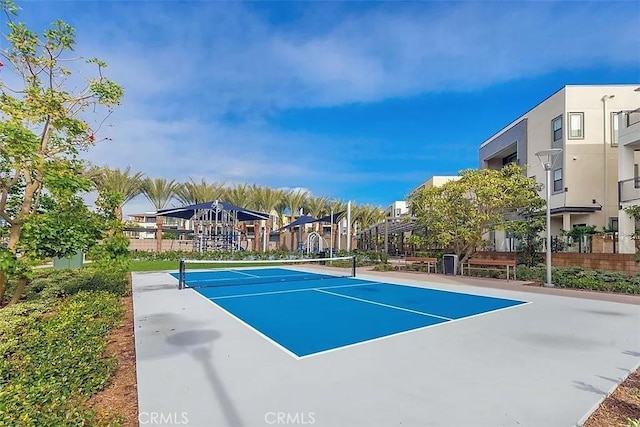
(43, 128)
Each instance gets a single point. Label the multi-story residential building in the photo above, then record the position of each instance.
(583, 122)
(397, 209)
(144, 225)
(435, 181)
(628, 181)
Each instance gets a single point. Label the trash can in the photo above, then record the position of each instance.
(450, 264)
(73, 261)
(322, 254)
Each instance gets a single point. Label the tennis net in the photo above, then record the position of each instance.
(214, 273)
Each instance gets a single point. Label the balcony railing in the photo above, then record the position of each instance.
(629, 190)
(633, 117)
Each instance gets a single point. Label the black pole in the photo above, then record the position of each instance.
(181, 274)
(353, 266)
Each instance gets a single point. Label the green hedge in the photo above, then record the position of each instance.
(52, 364)
(362, 257)
(61, 283)
(580, 278)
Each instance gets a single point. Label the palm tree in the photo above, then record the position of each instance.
(367, 216)
(336, 206)
(120, 182)
(318, 206)
(266, 200)
(190, 193)
(239, 195)
(295, 200)
(159, 192)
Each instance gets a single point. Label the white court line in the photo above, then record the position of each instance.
(385, 305)
(285, 291)
(274, 342)
(212, 280)
(409, 331)
(243, 273)
(331, 350)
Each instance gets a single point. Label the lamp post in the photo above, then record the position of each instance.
(604, 149)
(547, 159)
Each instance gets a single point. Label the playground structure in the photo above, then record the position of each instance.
(216, 225)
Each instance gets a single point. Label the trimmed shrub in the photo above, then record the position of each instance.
(52, 364)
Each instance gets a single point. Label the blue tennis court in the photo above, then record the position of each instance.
(306, 314)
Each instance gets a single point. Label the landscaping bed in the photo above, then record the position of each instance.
(58, 350)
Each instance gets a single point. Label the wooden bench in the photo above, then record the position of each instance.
(490, 264)
(429, 262)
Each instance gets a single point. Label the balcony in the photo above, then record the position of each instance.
(629, 190)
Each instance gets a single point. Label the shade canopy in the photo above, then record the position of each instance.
(305, 219)
(188, 212)
(332, 219)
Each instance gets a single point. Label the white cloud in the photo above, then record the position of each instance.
(201, 79)
(231, 57)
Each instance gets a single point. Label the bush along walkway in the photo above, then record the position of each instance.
(53, 348)
(574, 278)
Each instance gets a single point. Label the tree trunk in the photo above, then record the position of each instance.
(3, 286)
(159, 221)
(292, 236)
(14, 237)
(256, 236)
(22, 283)
(267, 229)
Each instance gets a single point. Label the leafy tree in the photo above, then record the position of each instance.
(459, 213)
(113, 250)
(42, 130)
(577, 233)
(526, 229)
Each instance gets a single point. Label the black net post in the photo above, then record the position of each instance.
(181, 274)
(353, 266)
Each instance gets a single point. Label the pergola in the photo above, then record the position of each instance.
(389, 234)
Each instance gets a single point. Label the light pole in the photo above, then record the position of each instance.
(605, 161)
(547, 159)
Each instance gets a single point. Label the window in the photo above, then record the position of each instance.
(614, 129)
(557, 128)
(557, 180)
(613, 223)
(636, 181)
(398, 211)
(576, 121)
(511, 158)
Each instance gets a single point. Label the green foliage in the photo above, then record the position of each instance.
(579, 278)
(51, 365)
(633, 422)
(62, 283)
(111, 253)
(458, 213)
(60, 232)
(577, 232)
(633, 211)
(383, 267)
(42, 131)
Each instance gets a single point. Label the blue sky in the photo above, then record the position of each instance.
(360, 101)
